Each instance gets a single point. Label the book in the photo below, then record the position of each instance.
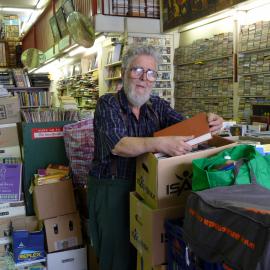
(195, 126)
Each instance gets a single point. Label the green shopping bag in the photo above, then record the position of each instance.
(220, 170)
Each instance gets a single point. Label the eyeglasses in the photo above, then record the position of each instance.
(137, 72)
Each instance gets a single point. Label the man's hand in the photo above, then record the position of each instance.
(174, 145)
(215, 122)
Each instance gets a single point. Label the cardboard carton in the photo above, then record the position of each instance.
(9, 110)
(68, 260)
(164, 182)
(28, 246)
(63, 232)
(12, 209)
(54, 200)
(9, 141)
(147, 232)
(143, 264)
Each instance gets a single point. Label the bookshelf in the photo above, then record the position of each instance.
(111, 62)
(82, 87)
(253, 67)
(32, 97)
(204, 76)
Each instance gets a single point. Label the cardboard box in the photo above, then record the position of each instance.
(9, 110)
(68, 260)
(9, 141)
(147, 232)
(143, 264)
(54, 200)
(164, 182)
(63, 232)
(28, 223)
(12, 209)
(28, 246)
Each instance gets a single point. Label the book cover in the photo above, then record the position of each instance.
(197, 126)
(10, 182)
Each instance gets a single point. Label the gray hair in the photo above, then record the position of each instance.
(135, 51)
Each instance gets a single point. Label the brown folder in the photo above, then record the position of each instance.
(196, 125)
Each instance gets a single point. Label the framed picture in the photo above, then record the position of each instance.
(55, 30)
(175, 13)
(61, 21)
(68, 7)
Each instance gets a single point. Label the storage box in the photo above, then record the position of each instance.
(28, 246)
(29, 223)
(12, 209)
(164, 182)
(54, 200)
(68, 260)
(147, 232)
(143, 264)
(9, 110)
(9, 141)
(63, 232)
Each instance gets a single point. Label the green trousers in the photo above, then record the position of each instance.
(109, 223)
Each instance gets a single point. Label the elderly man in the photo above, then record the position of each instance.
(124, 124)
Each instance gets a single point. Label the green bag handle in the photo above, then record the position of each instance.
(237, 167)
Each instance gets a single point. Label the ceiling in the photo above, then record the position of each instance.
(27, 10)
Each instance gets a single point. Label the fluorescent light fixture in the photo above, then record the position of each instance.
(10, 9)
(78, 50)
(70, 48)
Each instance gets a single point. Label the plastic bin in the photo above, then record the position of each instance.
(179, 255)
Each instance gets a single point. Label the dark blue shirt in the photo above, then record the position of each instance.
(115, 120)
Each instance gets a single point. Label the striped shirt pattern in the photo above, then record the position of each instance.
(114, 120)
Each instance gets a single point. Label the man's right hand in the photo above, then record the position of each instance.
(174, 145)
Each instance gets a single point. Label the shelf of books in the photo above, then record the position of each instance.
(111, 61)
(204, 76)
(164, 43)
(253, 67)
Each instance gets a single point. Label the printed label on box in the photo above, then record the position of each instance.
(44, 133)
(66, 243)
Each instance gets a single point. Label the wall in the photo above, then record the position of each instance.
(40, 35)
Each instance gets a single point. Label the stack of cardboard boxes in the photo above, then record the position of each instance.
(162, 187)
(54, 204)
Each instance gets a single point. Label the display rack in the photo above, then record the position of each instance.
(253, 67)
(164, 43)
(204, 76)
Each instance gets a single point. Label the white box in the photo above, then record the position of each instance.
(12, 209)
(74, 259)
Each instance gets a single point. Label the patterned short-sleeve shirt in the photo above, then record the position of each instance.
(114, 120)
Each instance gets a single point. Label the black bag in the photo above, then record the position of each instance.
(231, 225)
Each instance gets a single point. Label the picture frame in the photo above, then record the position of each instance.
(61, 21)
(55, 30)
(68, 7)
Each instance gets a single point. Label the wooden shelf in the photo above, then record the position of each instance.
(207, 79)
(195, 62)
(203, 97)
(113, 64)
(255, 50)
(41, 88)
(254, 73)
(113, 78)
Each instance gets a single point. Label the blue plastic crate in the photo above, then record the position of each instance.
(179, 255)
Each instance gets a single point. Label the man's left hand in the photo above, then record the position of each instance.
(215, 122)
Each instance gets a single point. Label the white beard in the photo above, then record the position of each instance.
(133, 98)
